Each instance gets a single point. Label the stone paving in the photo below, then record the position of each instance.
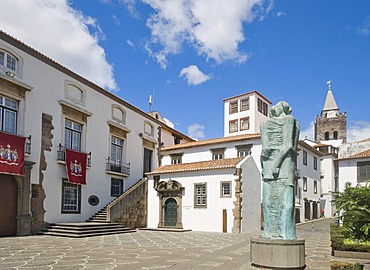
(152, 250)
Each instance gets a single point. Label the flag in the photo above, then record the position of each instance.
(11, 153)
(76, 166)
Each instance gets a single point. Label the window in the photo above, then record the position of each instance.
(363, 171)
(218, 153)
(233, 107)
(177, 140)
(304, 157)
(8, 115)
(304, 183)
(225, 189)
(71, 197)
(244, 123)
(233, 126)
(244, 104)
(326, 136)
(265, 108)
(9, 61)
(335, 135)
(72, 135)
(116, 149)
(200, 195)
(243, 150)
(315, 163)
(176, 159)
(262, 107)
(116, 187)
(315, 186)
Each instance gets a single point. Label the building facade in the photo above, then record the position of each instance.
(58, 112)
(243, 114)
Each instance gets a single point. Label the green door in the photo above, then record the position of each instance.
(170, 212)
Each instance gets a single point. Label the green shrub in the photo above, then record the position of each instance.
(334, 265)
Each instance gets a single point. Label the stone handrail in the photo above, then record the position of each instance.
(115, 208)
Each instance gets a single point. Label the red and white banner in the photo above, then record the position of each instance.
(11, 153)
(76, 166)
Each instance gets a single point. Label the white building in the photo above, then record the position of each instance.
(308, 186)
(355, 169)
(56, 109)
(208, 186)
(243, 114)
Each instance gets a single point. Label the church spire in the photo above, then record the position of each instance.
(330, 103)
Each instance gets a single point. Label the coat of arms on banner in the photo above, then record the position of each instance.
(11, 153)
(8, 155)
(76, 168)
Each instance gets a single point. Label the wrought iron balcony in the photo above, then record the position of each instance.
(61, 155)
(117, 166)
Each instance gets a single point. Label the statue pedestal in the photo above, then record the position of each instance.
(278, 254)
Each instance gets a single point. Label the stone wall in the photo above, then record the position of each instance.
(330, 125)
(133, 207)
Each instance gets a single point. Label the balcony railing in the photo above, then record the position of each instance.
(117, 166)
(61, 155)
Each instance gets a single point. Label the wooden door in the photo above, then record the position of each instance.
(224, 221)
(8, 205)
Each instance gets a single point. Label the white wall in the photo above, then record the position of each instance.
(49, 87)
(197, 219)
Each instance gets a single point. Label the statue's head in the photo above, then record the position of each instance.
(279, 108)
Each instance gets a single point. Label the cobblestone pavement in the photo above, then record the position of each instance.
(152, 250)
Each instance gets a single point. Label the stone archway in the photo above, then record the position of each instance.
(170, 204)
(8, 205)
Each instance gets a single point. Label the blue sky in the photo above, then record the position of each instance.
(193, 54)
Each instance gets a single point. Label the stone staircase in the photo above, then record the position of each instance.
(85, 229)
(100, 217)
(101, 222)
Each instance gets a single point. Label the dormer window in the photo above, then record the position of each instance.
(9, 61)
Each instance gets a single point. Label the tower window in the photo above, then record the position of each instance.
(335, 135)
(326, 135)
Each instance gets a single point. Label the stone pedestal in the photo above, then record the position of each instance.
(278, 254)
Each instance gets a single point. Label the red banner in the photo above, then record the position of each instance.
(11, 153)
(76, 166)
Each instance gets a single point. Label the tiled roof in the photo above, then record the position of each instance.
(364, 154)
(199, 166)
(212, 141)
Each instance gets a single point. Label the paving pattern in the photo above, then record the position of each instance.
(152, 250)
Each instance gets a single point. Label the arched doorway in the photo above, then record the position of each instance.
(170, 212)
(8, 205)
(170, 203)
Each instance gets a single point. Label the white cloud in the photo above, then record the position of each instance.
(214, 28)
(364, 28)
(280, 13)
(169, 123)
(116, 20)
(308, 132)
(196, 131)
(62, 33)
(358, 131)
(130, 43)
(193, 75)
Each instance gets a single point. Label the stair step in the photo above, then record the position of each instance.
(73, 235)
(85, 229)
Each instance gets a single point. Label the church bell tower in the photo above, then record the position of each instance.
(331, 125)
